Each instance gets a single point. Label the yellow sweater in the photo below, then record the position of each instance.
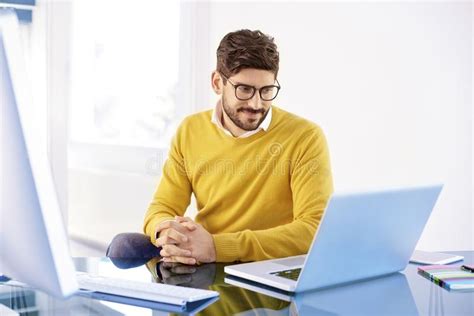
(260, 197)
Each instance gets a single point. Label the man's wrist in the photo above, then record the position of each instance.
(213, 250)
(226, 247)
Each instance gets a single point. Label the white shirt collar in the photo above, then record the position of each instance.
(216, 118)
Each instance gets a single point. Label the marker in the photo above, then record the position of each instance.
(469, 268)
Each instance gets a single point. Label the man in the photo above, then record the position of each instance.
(261, 176)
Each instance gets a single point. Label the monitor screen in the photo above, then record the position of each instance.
(33, 241)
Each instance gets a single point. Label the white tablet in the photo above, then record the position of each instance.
(425, 257)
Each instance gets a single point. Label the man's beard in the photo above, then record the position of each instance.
(245, 125)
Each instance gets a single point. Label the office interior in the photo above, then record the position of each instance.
(389, 82)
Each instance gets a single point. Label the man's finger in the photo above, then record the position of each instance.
(157, 227)
(184, 260)
(171, 224)
(170, 236)
(165, 273)
(180, 238)
(180, 219)
(165, 240)
(177, 268)
(189, 226)
(186, 222)
(169, 265)
(173, 250)
(182, 269)
(178, 279)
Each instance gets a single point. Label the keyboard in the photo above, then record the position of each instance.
(157, 292)
(291, 274)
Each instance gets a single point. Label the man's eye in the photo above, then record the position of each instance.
(245, 89)
(268, 90)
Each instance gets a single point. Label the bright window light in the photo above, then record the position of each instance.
(124, 72)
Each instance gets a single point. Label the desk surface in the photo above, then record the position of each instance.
(405, 293)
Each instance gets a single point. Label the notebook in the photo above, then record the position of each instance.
(452, 278)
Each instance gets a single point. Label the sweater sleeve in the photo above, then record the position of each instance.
(173, 194)
(311, 185)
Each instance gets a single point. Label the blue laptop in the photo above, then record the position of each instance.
(361, 236)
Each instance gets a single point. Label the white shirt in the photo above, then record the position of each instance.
(216, 118)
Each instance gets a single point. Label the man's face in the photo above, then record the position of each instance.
(247, 115)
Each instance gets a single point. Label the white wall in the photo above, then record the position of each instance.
(391, 85)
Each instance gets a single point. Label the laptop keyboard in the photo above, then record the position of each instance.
(291, 274)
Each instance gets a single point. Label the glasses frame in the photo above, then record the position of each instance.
(254, 89)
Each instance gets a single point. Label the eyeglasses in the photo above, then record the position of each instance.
(245, 92)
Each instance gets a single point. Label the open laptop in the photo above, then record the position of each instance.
(360, 236)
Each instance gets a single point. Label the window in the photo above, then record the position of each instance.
(125, 63)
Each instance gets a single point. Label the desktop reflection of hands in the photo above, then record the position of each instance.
(210, 276)
(172, 273)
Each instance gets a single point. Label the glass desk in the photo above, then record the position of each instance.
(405, 293)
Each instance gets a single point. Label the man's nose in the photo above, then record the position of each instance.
(255, 102)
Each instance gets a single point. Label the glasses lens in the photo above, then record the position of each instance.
(268, 93)
(244, 92)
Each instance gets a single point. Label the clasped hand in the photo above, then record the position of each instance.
(184, 241)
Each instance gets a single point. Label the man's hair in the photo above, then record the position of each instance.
(247, 49)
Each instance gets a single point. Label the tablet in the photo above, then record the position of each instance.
(425, 257)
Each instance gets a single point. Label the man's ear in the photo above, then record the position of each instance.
(216, 82)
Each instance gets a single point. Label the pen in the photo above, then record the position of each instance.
(469, 268)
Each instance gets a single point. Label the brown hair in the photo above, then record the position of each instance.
(247, 49)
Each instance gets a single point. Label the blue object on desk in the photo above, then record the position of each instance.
(4, 278)
(129, 250)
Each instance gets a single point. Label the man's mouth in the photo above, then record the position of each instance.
(251, 111)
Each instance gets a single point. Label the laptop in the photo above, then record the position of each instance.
(361, 236)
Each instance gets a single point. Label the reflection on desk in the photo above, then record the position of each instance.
(389, 295)
(232, 300)
(398, 294)
(404, 293)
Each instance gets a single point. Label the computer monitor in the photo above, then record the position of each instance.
(33, 243)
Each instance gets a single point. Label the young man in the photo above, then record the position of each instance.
(261, 176)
